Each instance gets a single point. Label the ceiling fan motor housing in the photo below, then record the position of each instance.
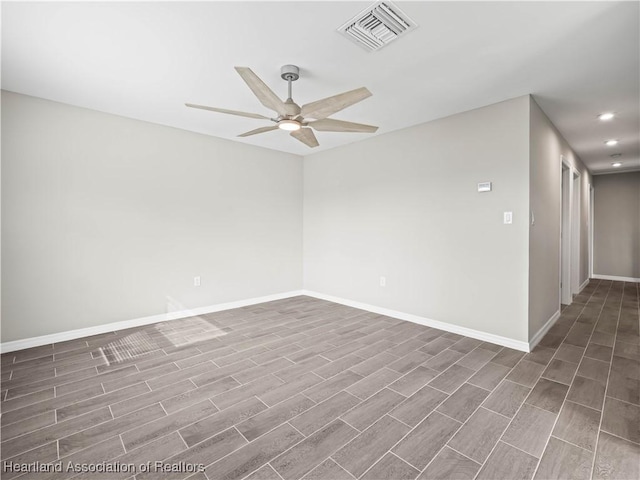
(290, 72)
(292, 108)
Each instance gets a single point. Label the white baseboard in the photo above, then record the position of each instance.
(584, 284)
(112, 327)
(616, 278)
(448, 327)
(137, 322)
(543, 331)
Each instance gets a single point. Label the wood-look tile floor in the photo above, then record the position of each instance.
(304, 388)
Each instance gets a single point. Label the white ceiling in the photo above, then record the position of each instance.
(144, 60)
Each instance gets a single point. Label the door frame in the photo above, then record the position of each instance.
(576, 186)
(591, 216)
(568, 222)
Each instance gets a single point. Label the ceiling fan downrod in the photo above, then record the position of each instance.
(289, 73)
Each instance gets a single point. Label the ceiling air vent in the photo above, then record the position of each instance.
(377, 26)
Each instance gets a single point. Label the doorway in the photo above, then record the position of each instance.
(569, 233)
(575, 234)
(590, 227)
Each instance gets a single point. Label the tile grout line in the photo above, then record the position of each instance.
(385, 351)
(161, 406)
(573, 444)
(119, 434)
(122, 443)
(510, 420)
(167, 415)
(341, 466)
(33, 404)
(617, 400)
(549, 411)
(51, 425)
(359, 431)
(387, 386)
(248, 443)
(57, 439)
(521, 450)
(437, 406)
(113, 418)
(181, 438)
(288, 423)
(564, 400)
(562, 406)
(401, 459)
(380, 460)
(54, 385)
(235, 428)
(397, 419)
(604, 399)
(269, 463)
(489, 410)
(582, 404)
(429, 414)
(460, 453)
(520, 407)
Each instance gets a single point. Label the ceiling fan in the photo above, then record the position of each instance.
(293, 118)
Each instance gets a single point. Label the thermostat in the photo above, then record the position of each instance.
(484, 187)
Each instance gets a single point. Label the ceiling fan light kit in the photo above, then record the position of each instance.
(289, 125)
(298, 121)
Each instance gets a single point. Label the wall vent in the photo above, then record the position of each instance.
(377, 26)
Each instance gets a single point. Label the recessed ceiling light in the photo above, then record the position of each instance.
(616, 164)
(611, 143)
(606, 116)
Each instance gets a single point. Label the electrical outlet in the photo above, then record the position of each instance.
(383, 281)
(196, 281)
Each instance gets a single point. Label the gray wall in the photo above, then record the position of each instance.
(405, 206)
(617, 225)
(105, 218)
(546, 147)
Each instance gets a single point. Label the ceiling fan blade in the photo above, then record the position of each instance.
(258, 130)
(328, 106)
(262, 91)
(230, 112)
(331, 125)
(306, 136)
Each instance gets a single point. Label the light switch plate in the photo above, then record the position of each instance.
(508, 218)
